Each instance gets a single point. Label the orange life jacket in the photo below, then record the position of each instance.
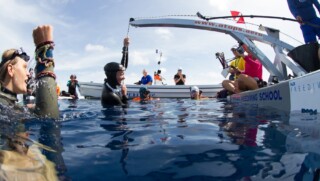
(157, 77)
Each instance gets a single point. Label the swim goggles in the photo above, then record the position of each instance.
(17, 53)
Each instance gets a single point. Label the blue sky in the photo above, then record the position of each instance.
(89, 34)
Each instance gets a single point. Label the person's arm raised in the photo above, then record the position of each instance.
(125, 52)
(46, 98)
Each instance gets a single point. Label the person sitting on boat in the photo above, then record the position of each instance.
(306, 15)
(236, 65)
(72, 86)
(114, 92)
(179, 78)
(238, 62)
(157, 78)
(146, 79)
(251, 77)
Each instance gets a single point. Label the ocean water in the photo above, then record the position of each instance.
(174, 139)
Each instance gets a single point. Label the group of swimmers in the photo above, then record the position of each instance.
(14, 63)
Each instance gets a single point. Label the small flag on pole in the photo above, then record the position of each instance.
(237, 16)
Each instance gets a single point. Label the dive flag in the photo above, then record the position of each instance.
(236, 17)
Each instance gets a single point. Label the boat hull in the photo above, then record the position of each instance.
(300, 94)
(94, 90)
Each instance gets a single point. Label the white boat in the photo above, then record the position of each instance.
(300, 93)
(94, 90)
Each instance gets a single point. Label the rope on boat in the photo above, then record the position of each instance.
(253, 24)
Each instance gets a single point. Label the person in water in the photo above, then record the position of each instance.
(114, 91)
(179, 78)
(305, 14)
(14, 74)
(196, 93)
(144, 95)
(72, 86)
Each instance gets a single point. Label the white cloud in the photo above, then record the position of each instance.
(139, 58)
(163, 70)
(220, 5)
(61, 1)
(81, 62)
(164, 33)
(95, 48)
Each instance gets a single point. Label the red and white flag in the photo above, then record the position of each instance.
(237, 16)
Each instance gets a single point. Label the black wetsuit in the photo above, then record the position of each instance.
(7, 98)
(111, 96)
(72, 85)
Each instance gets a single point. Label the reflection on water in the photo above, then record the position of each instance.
(21, 157)
(174, 140)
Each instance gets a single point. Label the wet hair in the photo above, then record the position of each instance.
(73, 76)
(3, 69)
(143, 91)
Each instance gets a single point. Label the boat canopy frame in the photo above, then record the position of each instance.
(276, 68)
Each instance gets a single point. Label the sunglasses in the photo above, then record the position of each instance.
(18, 53)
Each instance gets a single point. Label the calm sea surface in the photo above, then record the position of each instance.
(176, 139)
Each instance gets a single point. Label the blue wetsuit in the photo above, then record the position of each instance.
(305, 9)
